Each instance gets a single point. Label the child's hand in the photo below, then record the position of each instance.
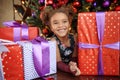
(72, 63)
(74, 68)
(77, 71)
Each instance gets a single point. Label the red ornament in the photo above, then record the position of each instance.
(54, 5)
(90, 1)
(115, 1)
(49, 2)
(76, 4)
(61, 2)
(66, 1)
(41, 8)
(45, 31)
(117, 8)
(75, 10)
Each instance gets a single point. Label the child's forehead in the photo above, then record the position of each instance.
(57, 12)
(59, 16)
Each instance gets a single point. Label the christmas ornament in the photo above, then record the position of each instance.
(33, 14)
(45, 31)
(74, 9)
(94, 4)
(55, 5)
(49, 2)
(61, 2)
(41, 1)
(66, 1)
(117, 8)
(76, 4)
(90, 1)
(115, 1)
(106, 3)
(41, 8)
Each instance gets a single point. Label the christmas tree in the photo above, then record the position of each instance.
(78, 6)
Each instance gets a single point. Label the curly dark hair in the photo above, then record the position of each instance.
(48, 12)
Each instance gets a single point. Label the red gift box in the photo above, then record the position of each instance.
(16, 31)
(98, 33)
(8, 33)
(12, 63)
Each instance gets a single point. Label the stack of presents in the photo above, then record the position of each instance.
(27, 56)
(23, 54)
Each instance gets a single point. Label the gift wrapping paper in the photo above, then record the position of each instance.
(18, 33)
(29, 68)
(11, 63)
(99, 40)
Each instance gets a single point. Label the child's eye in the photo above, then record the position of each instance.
(55, 22)
(64, 21)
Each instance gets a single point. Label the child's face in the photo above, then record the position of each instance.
(60, 24)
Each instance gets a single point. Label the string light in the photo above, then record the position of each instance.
(15, 11)
(23, 1)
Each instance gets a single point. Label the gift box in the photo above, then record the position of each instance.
(11, 63)
(15, 31)
(99, 41)
(36, 57)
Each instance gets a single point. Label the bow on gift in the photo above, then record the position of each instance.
(41, 56)
(17, 30)
(100, 19)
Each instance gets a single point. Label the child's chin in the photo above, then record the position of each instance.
(64, 35)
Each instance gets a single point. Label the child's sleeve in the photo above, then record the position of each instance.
(64, 67)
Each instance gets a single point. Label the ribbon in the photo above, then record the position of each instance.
(17, 30)
(41, 56)
(100, 19)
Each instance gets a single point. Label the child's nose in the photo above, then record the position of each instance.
(61, 24)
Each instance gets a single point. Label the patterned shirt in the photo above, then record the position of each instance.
(66, 52)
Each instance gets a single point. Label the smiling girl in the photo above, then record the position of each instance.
(59, 21)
